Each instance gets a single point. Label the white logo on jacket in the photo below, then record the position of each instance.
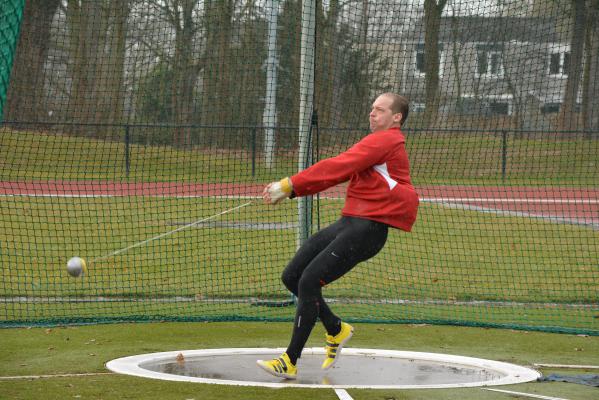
(382, 170)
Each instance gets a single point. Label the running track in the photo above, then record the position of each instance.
(560, 205)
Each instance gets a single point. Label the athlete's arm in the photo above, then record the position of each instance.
(332, 171)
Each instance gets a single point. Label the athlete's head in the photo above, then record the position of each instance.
(388, 110)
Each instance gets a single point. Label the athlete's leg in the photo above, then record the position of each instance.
(313, 246)
(306, 253)
(358, 240)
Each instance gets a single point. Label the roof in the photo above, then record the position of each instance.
(491, 29)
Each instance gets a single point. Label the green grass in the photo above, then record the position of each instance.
(85, 349)
(34, 156)
(445, 159)
(483, 255)
(488, 258)
(539, 160)
(545, 273)
(456, 267)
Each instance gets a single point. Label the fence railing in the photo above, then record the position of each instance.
(326, 141)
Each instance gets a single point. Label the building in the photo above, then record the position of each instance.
(488, 65)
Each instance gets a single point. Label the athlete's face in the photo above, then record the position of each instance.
(381, 115)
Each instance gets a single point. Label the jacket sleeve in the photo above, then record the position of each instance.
(369, 151)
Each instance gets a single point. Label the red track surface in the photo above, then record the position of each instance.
(577, 205)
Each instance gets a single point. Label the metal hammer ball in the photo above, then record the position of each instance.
(76, 266)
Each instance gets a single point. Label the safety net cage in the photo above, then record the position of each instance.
(139, 135)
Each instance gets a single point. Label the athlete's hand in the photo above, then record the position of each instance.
(275, 192)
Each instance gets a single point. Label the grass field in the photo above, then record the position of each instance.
(489, 259)
(458, 267)
(446, 158)
(85, 350)
(93, 227)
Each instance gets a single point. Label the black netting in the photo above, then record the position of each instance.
(136, 132)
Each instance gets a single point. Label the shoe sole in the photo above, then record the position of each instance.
(351, 333)
(274, 373)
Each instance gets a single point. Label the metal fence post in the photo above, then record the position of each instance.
(253, 147)
(127, 151)
(503, 155)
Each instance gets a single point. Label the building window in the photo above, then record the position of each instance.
(489, 62)
(550, 108)
(486, 105)
(558, 63)
(419, 65)
(499, 108)
(417, 107)
(420, 68)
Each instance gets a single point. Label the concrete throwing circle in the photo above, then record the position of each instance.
(356, 369)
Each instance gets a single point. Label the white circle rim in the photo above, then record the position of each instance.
(513, 373)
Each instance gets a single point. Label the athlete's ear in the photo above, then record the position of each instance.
(397, 117)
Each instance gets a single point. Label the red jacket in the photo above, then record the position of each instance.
(380, 188)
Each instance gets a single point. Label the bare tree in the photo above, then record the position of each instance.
(175, 25)
(456, 56)
(567, 117)
(185, 68)
(218, 22)
(115, 75)
(25, 99)
(86, 26)
(590, 89)
(433, 10)
(327, 74)
(96, 47)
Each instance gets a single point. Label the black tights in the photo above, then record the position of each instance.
(323, 258)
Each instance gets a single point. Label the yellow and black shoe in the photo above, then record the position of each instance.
(281, 367)
(335, 344)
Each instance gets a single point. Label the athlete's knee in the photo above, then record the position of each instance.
(290, 280)
(309, 287)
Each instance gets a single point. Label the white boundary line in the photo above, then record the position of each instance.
(531, 395)
(343, 395)
(524, 214)
(423, 199)
(566, 366)
(511, 373)
(507, 200)
(252, 300)
(17, 377)
(465, 203)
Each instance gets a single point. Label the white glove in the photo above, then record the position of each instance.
(275, 192)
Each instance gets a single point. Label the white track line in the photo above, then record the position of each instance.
(508, 213)
(343, 395)
(424, 199)
(243, 300)
(17, 377)
(507, 200)
(566, 366)
(157, 196)
(534, 396)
